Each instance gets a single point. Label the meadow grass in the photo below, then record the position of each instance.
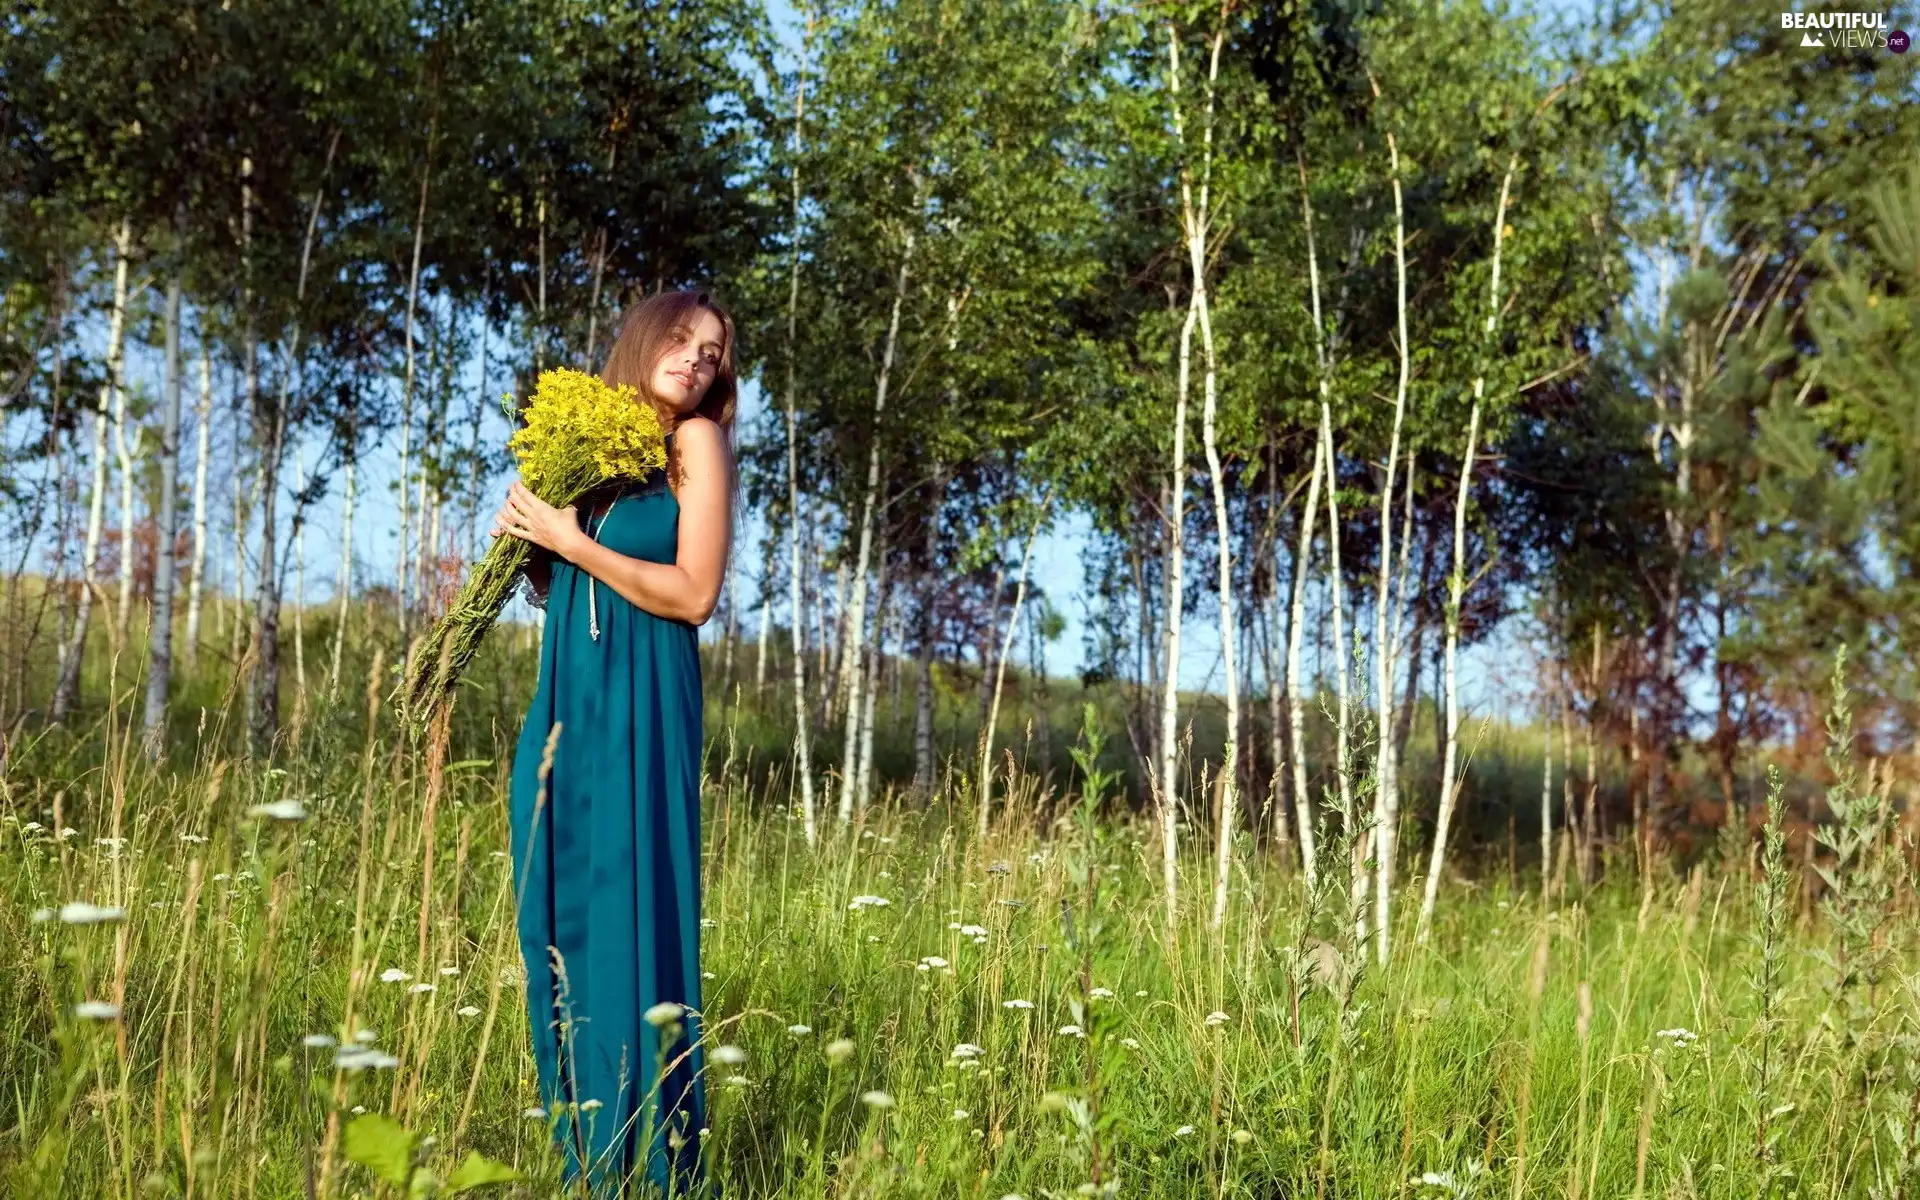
(920, 1013)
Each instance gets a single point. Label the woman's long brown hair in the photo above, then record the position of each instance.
(646, 333)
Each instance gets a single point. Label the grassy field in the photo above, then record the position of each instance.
(1008, 1017)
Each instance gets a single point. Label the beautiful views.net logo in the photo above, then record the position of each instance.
(1846, 31)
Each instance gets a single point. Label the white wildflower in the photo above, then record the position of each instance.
(360, 1058)
(466, 1010)
(860, 902)
(280, 810)
(1130, 1043)
(449, 970)
(1217, 1018)
(394, 975)
(79, 912)
(1016, 1004)
(96, 1010)
(663, 1014)
(1072, 1031)
(365, 1036)
(591, 1106)
(961, 1114)
(729, 1056)
(422, 988)
(839, 1050)
(318, 1041)
(967, 1050)
(876, 1099)
(1101, 993)
(194, 838)
(799, 1030)
(1183, 1131)
(535, 1113)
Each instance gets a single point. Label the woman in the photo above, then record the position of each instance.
(608, 844)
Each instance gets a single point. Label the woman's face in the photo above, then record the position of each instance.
(691, 360)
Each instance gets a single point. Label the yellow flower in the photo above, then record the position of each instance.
(581, 432)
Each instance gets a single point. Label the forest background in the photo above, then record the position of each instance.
(1595, 319)
(1489, 439)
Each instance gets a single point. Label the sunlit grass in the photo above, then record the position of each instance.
(212, 968)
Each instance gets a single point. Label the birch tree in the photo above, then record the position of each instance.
(1196, 218)
(153, 721)
(66, 692)
(202, 450)
(1450, 778)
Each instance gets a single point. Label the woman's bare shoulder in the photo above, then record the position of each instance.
(702, 441)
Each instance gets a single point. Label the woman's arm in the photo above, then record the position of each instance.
(687, 588)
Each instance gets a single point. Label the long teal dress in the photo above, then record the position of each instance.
(609, 866)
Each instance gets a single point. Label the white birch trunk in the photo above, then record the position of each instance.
(999, 677)
(153, 719)
(1336, 598)
(1272, 667)
(265, 681)
(1343, 767)
(406, 403)
(66, 691)
(1384, 864)
(245, 499)
(1176, 550)
(1450, 779)
(1296, 707)
(850, 676)
(1450, 756)
(796, 610)
(203, 436)
(300, 582)
(1196, 221)
(760, 653)
(863, 780)
(344, 581)
(833, 630)
(1386, 807)
(126, 453)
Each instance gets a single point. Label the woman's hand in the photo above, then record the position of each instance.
(531, 519)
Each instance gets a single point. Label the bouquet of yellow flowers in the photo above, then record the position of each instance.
(580, 434)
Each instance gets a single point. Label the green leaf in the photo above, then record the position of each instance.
(477, 1172)
(378, 1143)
